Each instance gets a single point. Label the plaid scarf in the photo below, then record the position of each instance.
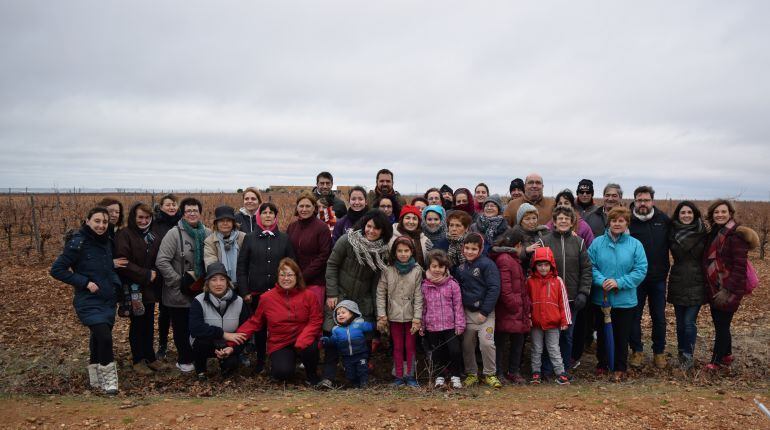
(370, 253)
(715, 268)
(455, 251)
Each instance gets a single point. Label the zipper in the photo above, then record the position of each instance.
(350, 345)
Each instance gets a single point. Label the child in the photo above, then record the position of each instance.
(513, 317)
(526, 222)
(550, 312)
(480, 286)
(399, 303)
(348, 337)
(326, 211)
(443, 317)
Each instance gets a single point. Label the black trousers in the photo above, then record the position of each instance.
(283, 362)
(100, 344)
(203, 349)
(515, 351)
(446, 351)
(140, 335)
(723, 340)
(180, 322)
(164, 323)
(622, 322)
(260, 337)
(582, 331)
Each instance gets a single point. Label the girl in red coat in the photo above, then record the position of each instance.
(550, 313)
(513, 310)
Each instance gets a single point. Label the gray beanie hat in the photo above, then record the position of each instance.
(494, 198)
(524, 209)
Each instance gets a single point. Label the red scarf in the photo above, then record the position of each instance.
(715, 268)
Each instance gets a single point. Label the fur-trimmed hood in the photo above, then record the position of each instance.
(749, 235)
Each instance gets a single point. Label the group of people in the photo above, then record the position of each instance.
(452, 272)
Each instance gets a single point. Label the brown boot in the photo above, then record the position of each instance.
(618, 376)
(158, 366)
(636, 359)
(660, 361)
(142, 369)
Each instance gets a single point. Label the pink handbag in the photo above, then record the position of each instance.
(752, 280)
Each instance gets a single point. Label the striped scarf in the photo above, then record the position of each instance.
(715, 269)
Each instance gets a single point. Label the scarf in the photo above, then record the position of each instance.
(147, 235)
(367, 252)
(644, 218)
(404, 268)
(98, 238)
(415, 236)
(455, 250)
(490, 226)
(435, 234)
(228, 252)
(437, 280)
(467, 208)
(681, 233)
(715, 269)
(269, 230)
(354, 216)
(220, 303)
(198, 235)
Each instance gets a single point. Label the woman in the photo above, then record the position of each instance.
(409, 225)
(420, 203)
(434, 223)
(490, 221)
(215, 314)
(619, 266)
(433, 197)
(181, 252)
(686, 283)
(293, 318)
(356, 209)
(258, 262)
(115, 209)
(725, 263)
(312, 244)
(86, 264)
(139, 244)
(225, 243)
(464, 202)
(565, 198)
(352, 273)
(246, 218)
(481, 192)
(385, 204)
(167, 215)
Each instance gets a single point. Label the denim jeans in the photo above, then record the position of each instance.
(655, 294)
(686, 328)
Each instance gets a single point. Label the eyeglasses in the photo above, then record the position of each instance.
(584, 192)
(643, 200)
(192, 211)
(287, 275)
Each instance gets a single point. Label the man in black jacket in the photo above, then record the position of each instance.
(323, 189)
(650, 226)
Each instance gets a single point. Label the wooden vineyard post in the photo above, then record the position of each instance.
(35, 226)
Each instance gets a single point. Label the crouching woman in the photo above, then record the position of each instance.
(215, 314)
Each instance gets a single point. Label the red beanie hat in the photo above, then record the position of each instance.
(409, 209)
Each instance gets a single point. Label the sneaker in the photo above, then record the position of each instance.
(456, 382)
(515, 378)
(141, 368)
(440, 382)
(536, 378)
(713, 367)
(411, 382)
(185, 368)
(325, 384)
(660, 361)
(202, 376)
(492, 381)
(471, 380)
(636, 359)
(399, 382)
(575, 364)
(562, 379)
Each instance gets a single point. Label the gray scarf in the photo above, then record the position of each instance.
(368, 252)
(220, 303)
(228, 252)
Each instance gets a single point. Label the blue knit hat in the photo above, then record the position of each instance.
(434, 208)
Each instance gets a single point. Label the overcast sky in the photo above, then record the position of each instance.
(221, 95)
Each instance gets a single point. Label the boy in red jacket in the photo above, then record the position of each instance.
(550, 313)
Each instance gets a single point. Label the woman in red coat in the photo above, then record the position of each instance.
(725, 264)
(312, 244)
(293, 318)
(512, 312)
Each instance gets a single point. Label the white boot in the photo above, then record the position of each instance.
(93, 376)
(109, 378)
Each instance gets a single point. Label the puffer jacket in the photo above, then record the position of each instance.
(686, 281)
(258, 261)
(733, 256)
(172, 266)
(513, 312)
(653, 234)
(622, 260)
(85, 259)
(479, 283)
(350, 339)
(572, 261)
(550, 307)
(208, 322)
(347, 279)
(442, 307)
(399, 297)
(583, 230)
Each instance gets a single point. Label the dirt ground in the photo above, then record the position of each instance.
(43, 384)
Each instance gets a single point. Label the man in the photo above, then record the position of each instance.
(650, 226)
(384, 188)
(323, 190)
(585, 197)
(447, 197)
(516, 189)
(533, 194)
(597, 218)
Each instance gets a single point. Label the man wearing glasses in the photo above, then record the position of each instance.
(585, 197)
(650, 226)
(533, 194)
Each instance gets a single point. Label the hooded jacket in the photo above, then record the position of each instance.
(550, 307)
(399, 297)
(513, 312)
(350, 339)
(572, 261)
(479, 283)
(292, 317)
(733, 256)
(442, 307)
(653, 234)
(622, 260)
(130, 244)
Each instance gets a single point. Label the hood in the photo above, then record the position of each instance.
(497, 251)
(543, 254)
(349, 305)
(132, 217)
(750, 236)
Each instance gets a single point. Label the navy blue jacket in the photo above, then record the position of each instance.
(351, 339)
(479, 284)
(654, 236)
(87, 260)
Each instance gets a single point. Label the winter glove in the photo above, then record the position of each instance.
(324, 340)
(580, 302)
(721, 298)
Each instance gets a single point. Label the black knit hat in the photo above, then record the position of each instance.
(585, 185)
(445, 189)
(516, 184)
